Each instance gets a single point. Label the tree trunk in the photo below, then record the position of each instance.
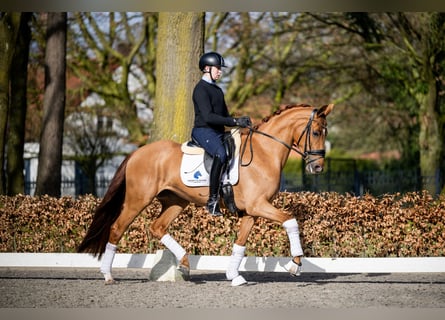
(18, 104)
(430, 139)
(180, 44)
(9, 25)
(51, 138)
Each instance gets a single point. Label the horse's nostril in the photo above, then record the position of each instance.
(314, 168)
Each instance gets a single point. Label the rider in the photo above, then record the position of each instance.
(211, 118)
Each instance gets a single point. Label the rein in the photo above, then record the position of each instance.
(293, 147)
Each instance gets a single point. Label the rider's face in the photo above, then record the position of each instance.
(215, 72)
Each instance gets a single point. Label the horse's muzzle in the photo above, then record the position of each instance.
(314, 161)
(314, 168)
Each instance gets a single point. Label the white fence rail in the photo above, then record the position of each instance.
(219, 263)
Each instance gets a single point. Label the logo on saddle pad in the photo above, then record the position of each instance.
(195, 165)
(197, 175)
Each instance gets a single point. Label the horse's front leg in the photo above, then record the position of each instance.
(238, 250)
(293, 233)
(266, 210)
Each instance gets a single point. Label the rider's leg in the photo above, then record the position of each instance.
(212, 142)
(215, 182)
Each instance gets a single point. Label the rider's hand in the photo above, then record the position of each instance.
(243, 122)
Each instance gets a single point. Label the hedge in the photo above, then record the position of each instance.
(331, 225)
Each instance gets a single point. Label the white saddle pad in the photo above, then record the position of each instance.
(194, 174)
(193, 171)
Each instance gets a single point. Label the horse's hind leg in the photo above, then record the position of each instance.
(172, 206)
(131, 209)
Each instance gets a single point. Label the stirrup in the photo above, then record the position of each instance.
(213, 208)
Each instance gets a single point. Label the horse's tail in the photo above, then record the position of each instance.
(106, 214)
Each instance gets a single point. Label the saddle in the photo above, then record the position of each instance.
(192, 147)
(196, 165)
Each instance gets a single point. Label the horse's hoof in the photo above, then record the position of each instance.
(185, 272)
(110, 281)
(238, 281)
(293, 268)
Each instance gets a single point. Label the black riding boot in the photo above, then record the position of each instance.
(215, 180)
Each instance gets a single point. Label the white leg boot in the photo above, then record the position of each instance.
(107, 262)
(178, 251)
(173, 246)
(234, 263)
(291, 227)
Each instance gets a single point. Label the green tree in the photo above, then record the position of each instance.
(385, 70)
(407, 51)
(429, 58)
(273, 59)
(103, 50)
(91, 138)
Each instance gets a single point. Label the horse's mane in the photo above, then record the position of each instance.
(280, 110)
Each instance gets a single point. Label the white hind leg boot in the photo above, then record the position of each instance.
(234, 263)
(173, 246)
(179, 253)
(291, 227)
(107, 262)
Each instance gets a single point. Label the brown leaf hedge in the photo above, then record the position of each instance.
(331, 225)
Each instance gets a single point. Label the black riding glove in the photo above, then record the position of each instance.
(243, 122)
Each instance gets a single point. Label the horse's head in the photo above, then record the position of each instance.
(299, 128)
(311, 141)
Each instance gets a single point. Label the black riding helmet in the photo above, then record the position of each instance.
(212, 59)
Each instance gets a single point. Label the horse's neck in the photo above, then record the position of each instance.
(274, 150)
(283, 128)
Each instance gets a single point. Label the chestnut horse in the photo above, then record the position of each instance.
(153, 171)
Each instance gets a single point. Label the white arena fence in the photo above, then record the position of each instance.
(219, 263)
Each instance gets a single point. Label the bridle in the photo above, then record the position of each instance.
(294, 147)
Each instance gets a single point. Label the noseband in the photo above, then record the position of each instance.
(294, 147)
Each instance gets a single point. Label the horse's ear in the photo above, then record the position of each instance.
(325, 110)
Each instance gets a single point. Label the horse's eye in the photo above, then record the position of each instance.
(316, 133)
